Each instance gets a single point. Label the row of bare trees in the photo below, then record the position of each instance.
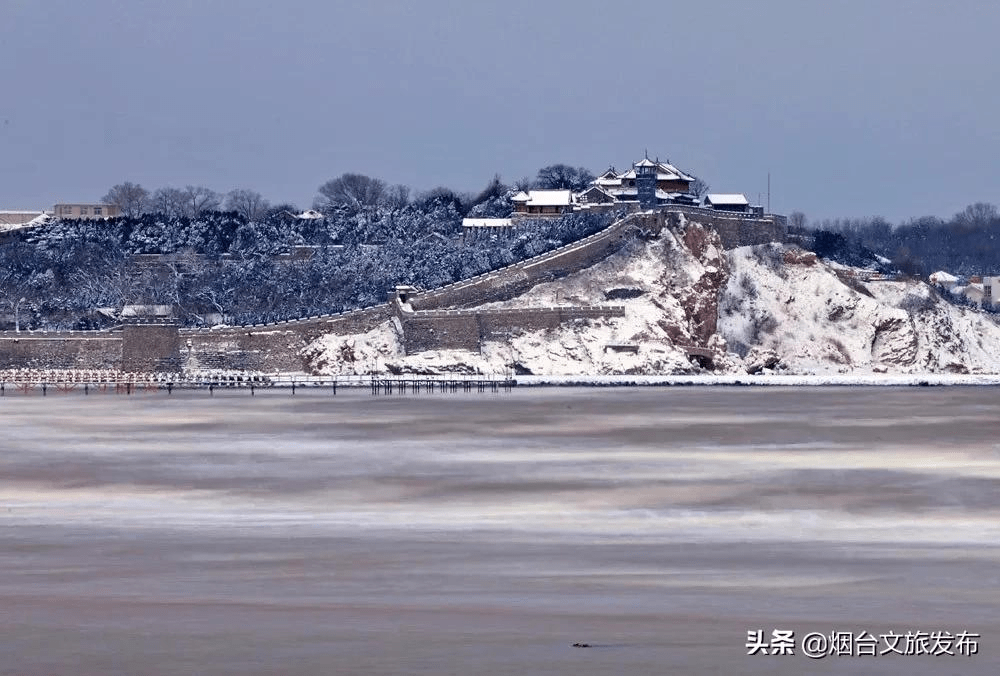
(966, 244)
(190, 201)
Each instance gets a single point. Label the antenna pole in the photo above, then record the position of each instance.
(768, 192)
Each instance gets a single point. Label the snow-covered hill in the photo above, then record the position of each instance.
(771, 308)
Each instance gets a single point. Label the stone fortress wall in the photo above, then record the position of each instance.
(437, 319)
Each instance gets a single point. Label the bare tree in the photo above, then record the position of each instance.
(563, 177)
(978, 215)
(797, 221)
(15, 289)
(130, 198)
(698, 188)
(398, 196)
(200, 199)
(170, 202)
(355, 191)
(247, 203)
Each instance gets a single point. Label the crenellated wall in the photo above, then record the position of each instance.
(466, 329)
(60, 349)
(270, 347)
(734, 229)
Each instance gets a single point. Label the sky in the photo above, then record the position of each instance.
(854, 108)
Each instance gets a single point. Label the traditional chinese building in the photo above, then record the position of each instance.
(735, 202)
(543, 202)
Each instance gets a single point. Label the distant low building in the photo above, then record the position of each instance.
(13, 218)
(943, 279)
(134, 312)
(991, 290)
(974, 292)
(487, 224)
(78, 211)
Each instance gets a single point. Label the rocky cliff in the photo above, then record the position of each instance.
(691, 307)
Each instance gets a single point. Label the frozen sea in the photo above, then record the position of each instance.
(486, 533)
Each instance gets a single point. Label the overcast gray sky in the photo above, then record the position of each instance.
(854, 107)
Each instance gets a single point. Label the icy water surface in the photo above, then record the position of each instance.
(487, 533)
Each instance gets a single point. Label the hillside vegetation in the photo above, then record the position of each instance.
(225, 265)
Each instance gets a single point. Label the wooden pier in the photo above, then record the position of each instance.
(87, 383)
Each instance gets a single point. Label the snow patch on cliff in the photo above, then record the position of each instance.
(818, 318)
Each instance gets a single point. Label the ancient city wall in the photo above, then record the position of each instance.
(734, 229)
(506, 283)
(459, 331)
(270, 347)
(276, 347)
(150, 347)
(499, 285)
(60, 350)
(466, 329)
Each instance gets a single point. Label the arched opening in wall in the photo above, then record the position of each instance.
(703, 362)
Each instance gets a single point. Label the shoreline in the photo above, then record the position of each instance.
(744, 380)
(128, 383)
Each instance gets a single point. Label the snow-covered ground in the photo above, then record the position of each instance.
(770, 310)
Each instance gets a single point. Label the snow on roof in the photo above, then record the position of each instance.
(309, 215)
(520, 197)
(661, 175)
(672, 172)
(942, 277)
(550, 198)
(486, 222)
(147, 310)
(11, 219)
(664, 172)
(727, 198)
(625, 192)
